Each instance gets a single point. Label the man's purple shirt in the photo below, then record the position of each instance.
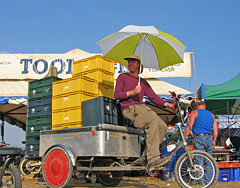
(126, 82)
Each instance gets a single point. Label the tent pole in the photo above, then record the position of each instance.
(2, 127)
(195, 76)
(236, 111)
(228, 120)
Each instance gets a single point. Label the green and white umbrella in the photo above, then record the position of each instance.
(156, 48)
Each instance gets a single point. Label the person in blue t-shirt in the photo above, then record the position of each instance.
(203, 125)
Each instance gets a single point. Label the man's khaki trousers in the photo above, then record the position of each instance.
(145, 118)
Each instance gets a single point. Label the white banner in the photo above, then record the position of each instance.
(14, 88)
(35, 66)
(17, 69)
(178, 70)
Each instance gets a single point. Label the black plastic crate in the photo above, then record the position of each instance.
(99, 110)
(121, 120)
(32, 145)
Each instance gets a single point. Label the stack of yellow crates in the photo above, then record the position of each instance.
(92, 77)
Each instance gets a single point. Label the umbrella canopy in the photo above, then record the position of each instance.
(156, 48)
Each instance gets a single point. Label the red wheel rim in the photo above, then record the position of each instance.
(56, 168)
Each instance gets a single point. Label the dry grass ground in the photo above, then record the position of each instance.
(134, 182)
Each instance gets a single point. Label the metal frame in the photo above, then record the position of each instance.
(67, 150)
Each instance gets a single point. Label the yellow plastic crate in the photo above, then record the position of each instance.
(67, 116)
(93, 62)
(100, 75)
(70, 85)
(105, 90)
(67, 125)
(71, 100)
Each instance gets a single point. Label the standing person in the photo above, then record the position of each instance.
(130, 94)
(203, 125)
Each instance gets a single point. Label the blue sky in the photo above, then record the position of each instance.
(210, 29)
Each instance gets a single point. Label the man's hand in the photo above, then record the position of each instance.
(214, 144)
(169, 105)
(135, 91)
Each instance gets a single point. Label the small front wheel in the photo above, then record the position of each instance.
(203, 173)
(11, 177)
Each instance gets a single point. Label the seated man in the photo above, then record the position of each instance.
(131, 95)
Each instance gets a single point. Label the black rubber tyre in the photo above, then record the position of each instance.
(109, 179)
(29, 171)
(11, 178)
(23, 169)
(57, 168)
(186, 177)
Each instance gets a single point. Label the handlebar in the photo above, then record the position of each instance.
(175, 97)
(182, 114)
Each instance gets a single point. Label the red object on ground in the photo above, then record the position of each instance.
(56, 168)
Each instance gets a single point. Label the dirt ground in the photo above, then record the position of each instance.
(133, 182)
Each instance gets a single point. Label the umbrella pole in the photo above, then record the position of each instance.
(139, 75)
(140, 68)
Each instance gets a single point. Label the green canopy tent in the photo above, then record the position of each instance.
(222, 99)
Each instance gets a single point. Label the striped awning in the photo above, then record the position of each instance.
(232, 132)
(233, 123)
(13, 109)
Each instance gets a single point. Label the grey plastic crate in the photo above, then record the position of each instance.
(99, 110)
